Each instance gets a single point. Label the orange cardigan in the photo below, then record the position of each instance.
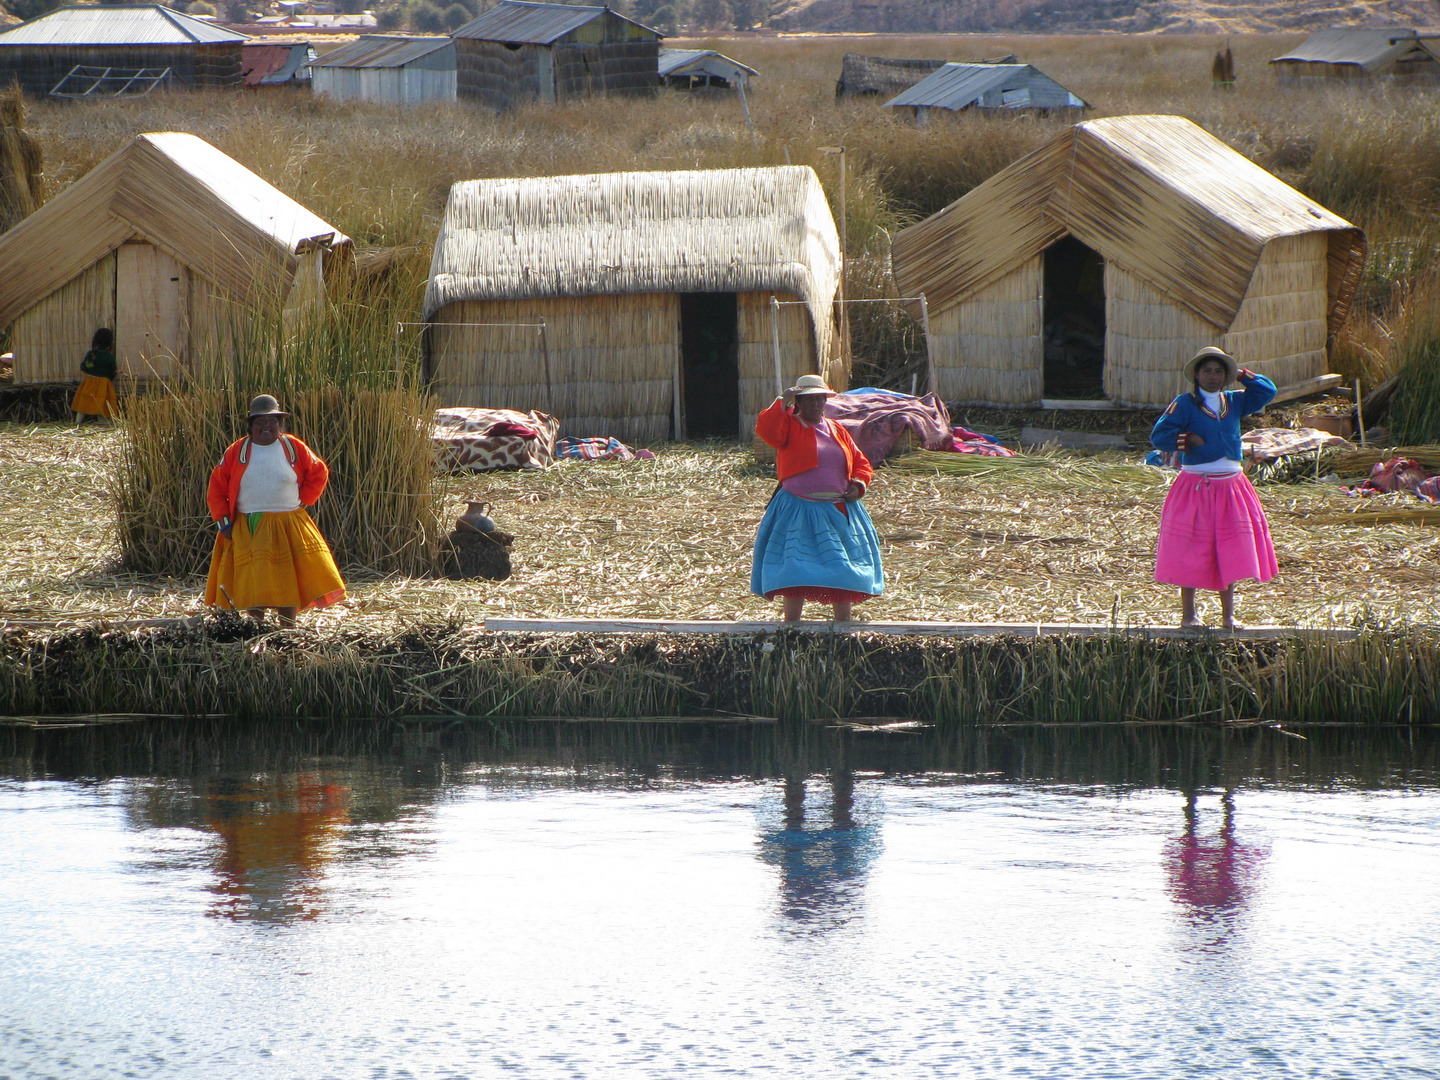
(794, 443)
(311, 473)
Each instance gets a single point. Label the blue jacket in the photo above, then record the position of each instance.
(1221, 433)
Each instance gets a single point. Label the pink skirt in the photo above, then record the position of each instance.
(1213, 533)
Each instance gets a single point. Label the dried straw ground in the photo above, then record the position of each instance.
(671, 539)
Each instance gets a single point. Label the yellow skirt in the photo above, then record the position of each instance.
(96, 397)
(286, 563)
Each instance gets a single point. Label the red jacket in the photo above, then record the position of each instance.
(794, 443)
(311, 473)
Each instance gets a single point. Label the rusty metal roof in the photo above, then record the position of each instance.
(1003, 86)
(1369, 49)
(517, 22)
(118, 25)
(270, 63)
(382, 51)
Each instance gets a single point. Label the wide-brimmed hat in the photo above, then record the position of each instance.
(265, 405)
(1210, 352)
(809, 384)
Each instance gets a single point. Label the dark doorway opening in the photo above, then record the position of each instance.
(709, 366)
(1074, 321)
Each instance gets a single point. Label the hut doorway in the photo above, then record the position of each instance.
(147, 310)
(1074, 313)
(709, 366)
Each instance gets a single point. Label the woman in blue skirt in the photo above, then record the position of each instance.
(816, 541)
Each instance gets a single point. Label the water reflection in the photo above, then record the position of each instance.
(823, 861)
(1211, 874)
(276, 836)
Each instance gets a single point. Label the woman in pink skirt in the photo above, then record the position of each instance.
(1213, 531)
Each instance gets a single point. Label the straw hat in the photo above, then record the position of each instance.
(809, 384)
(265, 405)
(1210, 352)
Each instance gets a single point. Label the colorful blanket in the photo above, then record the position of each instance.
(479, 440)
(599, 449)
(1399, 474)
(1270, 444)
(878, 420)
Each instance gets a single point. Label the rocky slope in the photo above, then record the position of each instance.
(1090, 16)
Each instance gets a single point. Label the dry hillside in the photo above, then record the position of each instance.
(1072, 16)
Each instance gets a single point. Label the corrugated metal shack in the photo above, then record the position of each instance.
(39, 54)
(986, 87)
(285, 63)
(1340, 55)
(687, 69)
(654, 292)
(394, 70)
(168, 242)
(877, 76)
(1095, 266)
(518, 52)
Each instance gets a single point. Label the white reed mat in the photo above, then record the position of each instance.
(934, 629)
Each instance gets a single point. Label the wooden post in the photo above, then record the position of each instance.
(929, 357)
(549, 386)
(1359, 413)
(843, 320)
(775, 344)
(745, 105)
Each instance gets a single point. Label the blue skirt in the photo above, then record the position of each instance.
(802, 543)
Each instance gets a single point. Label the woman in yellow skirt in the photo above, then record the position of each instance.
(269, 554)
(96, 395)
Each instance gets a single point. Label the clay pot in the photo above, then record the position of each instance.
(475, 519)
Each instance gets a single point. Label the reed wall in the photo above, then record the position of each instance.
(500, 77)
(611, 360)
(1147, 340)
(38, 68)
(1281, 328)
(988, 348)
(50, 339)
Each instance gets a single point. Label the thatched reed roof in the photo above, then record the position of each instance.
(1369, 50)
(181, 194)
(720, 230)
(1157, 195)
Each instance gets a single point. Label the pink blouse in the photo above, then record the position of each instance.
(830, 477)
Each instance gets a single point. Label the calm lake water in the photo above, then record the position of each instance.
(613, 901)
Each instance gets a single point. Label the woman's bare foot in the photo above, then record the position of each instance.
(1193, 622)
(1233, 624)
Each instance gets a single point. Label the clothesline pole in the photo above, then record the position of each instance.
(775, 344)
(929, 359)
(1359, 413)
(549, 384)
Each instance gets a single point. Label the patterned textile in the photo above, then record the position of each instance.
(1396, 474)
(1429, 490)
(598, 449)
(478, 440)
(285, 562)
(1213, 533)
(877, 421)
(965, 441)
(1270, 444)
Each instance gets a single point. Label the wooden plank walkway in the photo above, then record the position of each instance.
(928, 629)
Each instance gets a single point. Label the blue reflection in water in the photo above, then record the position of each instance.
(822, 864)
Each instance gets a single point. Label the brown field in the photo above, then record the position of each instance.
(672, 538)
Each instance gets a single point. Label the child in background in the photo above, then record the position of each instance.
(96, 395)
(1213, 531)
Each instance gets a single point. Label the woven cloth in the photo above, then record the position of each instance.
(877, 421)
(1269, 444)
(594, 449)
(480, 440)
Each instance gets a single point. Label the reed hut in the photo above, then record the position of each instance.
(77, 46)
(1094, 266)
(634, 304)
(1339, 56)
(518, 52)
(168, 242)
(393, 70)
(986, 87)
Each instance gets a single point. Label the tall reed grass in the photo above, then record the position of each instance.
(230, 667)
(352, 400)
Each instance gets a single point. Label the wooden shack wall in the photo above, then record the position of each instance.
(611, 360)
(50, 339)
(498, 76)
(38, 68)
(988, 349)
(756, 357)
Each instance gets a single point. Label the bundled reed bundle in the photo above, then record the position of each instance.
(353, 408)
